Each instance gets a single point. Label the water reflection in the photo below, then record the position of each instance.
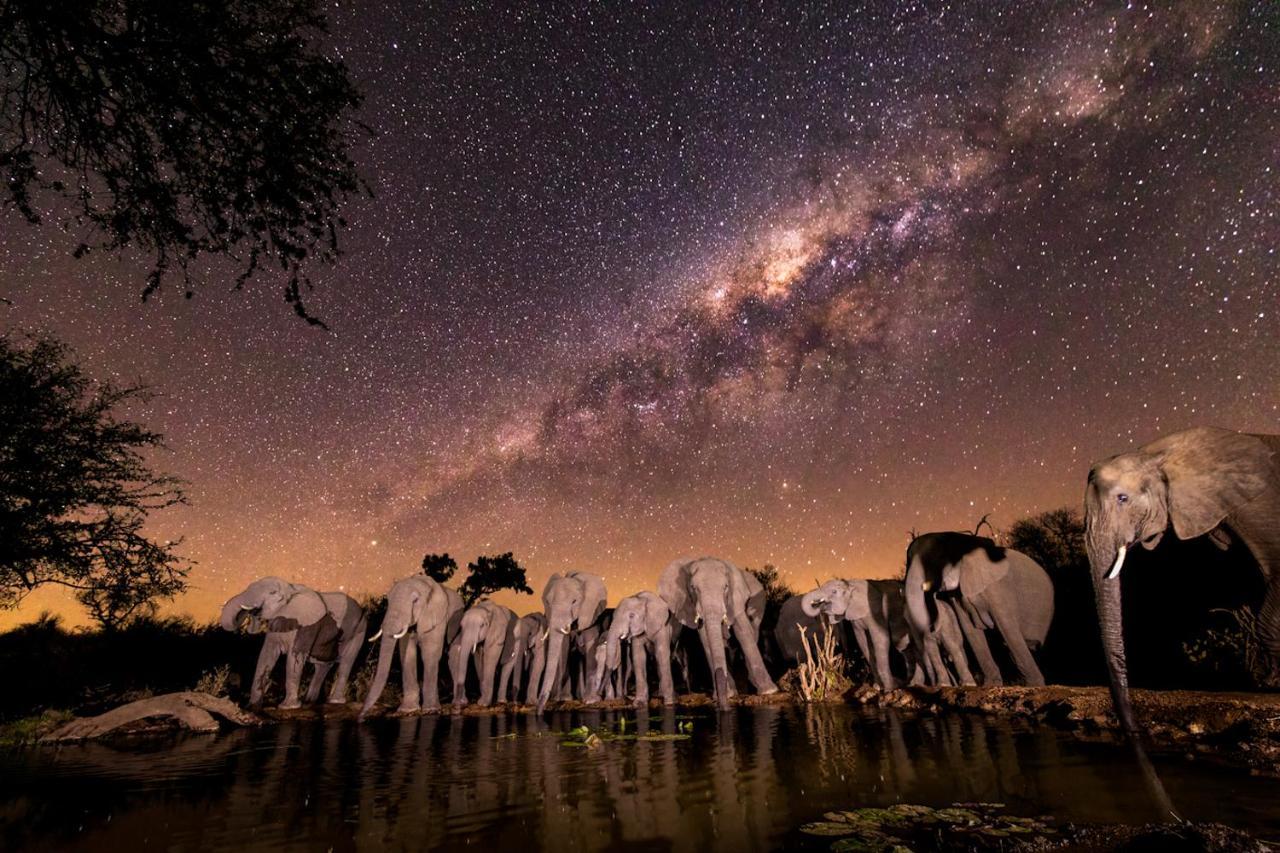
(743, 781)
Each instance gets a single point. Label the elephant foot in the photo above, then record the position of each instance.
(431, 709)
(289, 705)
(769, 690)
(407, 708)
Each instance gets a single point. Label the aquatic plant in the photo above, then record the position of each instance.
(904, 827)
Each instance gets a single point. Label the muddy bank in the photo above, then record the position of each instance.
(1236, 728)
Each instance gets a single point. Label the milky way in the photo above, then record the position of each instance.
(643, 283)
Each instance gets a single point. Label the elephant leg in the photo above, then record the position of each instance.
(860, 637)
(976, 637)
(938, 673)
(563, 690)
(431, 648)
(293, 663)
(459, 661)
(487, 667)
(639, 665)
(1009, 628)
(504, 679)
(272, 647)
(953, 642)
(878, 637)
(662, 653)
(410, 694)
(347, 655)
(748, 639)
(319, 672)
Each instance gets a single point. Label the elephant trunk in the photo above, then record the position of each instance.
(917, 608)
(714, 628)
(551, 672)
(231, 612)
(1103, 558)
(613, 650)
(811, 603)
(386, 651)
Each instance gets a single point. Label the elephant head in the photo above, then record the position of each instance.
(272, 604)
(1193, 480)
(572, 600)
(708, 594)
(838, 599)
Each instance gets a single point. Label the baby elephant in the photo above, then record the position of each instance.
(645, 620)
(487, 629)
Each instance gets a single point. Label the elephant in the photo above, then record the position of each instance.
(644, 620)
(323, 627)
(487, 629)
(525, 655)
(422, 617)
(874, 609)
(573, 602)
(717, 599)
(1200, 481)
(988, 587)
(787, 636)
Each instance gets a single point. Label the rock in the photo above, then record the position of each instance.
(193, 711)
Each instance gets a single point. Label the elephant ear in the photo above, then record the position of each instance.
(1212, 473)
(978, 572)
(746, 591)
(303, 609)
(858, 594)
(453, 613)
(673, 586)
(509, 634)
(656, 614)
(552, 582)
(593, 598)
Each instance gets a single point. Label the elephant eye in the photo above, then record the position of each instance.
(1122, 498)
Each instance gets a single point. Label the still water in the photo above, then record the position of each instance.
(744, 780)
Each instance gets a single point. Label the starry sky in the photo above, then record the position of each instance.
(666, 279)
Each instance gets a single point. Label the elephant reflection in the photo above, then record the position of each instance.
(322, 627)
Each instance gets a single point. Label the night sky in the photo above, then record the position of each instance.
(644, 282)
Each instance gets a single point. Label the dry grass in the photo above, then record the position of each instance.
(215, 682)
(822, 675)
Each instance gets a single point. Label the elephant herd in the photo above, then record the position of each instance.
(704, 607)
(960, 593)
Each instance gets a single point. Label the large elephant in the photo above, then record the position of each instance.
(989, 587)
(573, 602)
(323, 627)
(644, 620)
(422, 617)
(526, 656)
(874, 608)
(1200, 481)
(487, 629)
(717, 599)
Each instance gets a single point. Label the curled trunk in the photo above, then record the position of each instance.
(809, 603)
(231, 612)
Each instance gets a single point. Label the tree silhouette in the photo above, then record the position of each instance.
(439, 567)
(75, 490)
(183, 128)
(490, 574)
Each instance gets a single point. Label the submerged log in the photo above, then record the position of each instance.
(193, 711)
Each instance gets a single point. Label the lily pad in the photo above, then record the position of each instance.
(828, 827)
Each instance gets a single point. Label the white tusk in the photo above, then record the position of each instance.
(401, 634)
(545, 634)
(1115, 568)
(246, 607)
(725, 619)
(376, 636)
(564, 631)
(926, 586)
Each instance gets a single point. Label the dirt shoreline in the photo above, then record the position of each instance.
(1240, 729)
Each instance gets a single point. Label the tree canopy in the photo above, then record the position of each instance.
(490, 574)
(76, 489)
(184, 128)
(439, 567)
